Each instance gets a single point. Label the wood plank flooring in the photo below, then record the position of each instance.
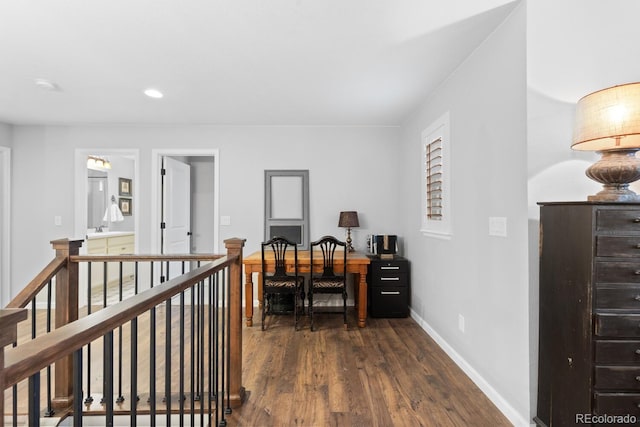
(390, 373)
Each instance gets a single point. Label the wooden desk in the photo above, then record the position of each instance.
(357, 263)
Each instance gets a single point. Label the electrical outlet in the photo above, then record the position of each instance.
(57, 220)
(225, 220)
(461, 322)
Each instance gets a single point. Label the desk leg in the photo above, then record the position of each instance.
(362, 298)
(248, 292)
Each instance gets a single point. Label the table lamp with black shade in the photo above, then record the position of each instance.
(348, 220)
(608, 121)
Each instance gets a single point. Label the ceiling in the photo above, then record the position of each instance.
(233, 62)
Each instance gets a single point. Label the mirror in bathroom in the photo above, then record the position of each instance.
(97, 197)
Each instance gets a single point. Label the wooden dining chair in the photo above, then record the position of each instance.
(332, 280)
(280, 282)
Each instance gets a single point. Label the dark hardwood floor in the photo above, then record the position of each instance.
(390, 373)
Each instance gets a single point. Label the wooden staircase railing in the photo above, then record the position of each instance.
(64, 344)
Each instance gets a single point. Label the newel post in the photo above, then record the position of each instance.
(66, 311)
(237, 392)
(9, 319)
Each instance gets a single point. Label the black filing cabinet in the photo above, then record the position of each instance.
(388, 286)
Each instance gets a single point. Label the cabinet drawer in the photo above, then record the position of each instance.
(622, 297)
(387, 301)
(617, 377)
(618, 246)
(617, 325)
(390, 265)
(618, 220)
(617, 352)
(617, 403)
(390, 279)
(618, 272)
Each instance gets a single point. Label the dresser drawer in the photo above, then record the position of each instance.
(617, 325)
(614, 351)
(388, 301)
(621, 297)
(618, 272)
(389, 266)
(617, 403)
(390, 279)
(617, 377)
(618, 220)
(618, 246)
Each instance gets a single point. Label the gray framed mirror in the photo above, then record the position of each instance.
(286, 206)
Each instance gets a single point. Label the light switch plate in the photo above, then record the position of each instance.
(225, 220)
(498, 226)
(57, 220)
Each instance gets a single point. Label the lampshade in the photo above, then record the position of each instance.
(348, 219)
(608, 119)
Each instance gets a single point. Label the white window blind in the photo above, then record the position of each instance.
(436, 202)
(434, 176)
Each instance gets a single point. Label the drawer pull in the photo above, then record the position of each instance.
(638, 351)
(637, 298)
(637, 272)
(636, 220)
(638, 246)
(398, 268)
(388, 279)
(638, 378)
(396, 293)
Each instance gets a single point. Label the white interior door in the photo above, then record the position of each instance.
(176, 209)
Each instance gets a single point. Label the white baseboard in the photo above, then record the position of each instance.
(503, 406)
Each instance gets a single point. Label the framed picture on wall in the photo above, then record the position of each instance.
(125, 206)
(124, 187)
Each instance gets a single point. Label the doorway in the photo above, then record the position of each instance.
(202, 200)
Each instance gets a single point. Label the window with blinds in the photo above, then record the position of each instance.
(436, 203)
(434, 175)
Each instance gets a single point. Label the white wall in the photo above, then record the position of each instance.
(351, 168)
(483, 278)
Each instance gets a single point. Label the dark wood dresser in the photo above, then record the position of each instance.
(589, 352)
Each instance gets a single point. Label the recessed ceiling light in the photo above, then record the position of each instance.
(46, 84)
(153, 93)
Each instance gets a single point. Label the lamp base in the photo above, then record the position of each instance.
(616, 170)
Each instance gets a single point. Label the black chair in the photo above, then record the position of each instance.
(331, 281)
(279, 282)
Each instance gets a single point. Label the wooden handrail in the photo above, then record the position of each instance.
(31, 290)
(30, 357)
(143, 258)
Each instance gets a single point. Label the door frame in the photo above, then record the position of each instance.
(156, 189)
(5, 226)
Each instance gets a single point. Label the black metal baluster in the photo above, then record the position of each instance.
(108, 378)
(201, 335)
(34, 399)
(77, 388)
(167, 361)
(152, 362)
(120, 398)
(227, 365)
(197, 339)
(192, 354)
(15, 397)
(104, 344)
(210, 345)
(216, 350)
(134, 357)
(49, 412)
(221, 396)
(89, 398)
(181, 361)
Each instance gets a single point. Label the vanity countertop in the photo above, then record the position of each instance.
(103, 234)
